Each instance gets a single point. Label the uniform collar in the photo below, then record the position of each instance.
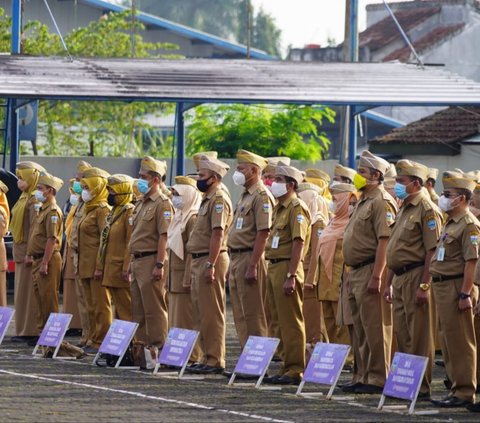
(377, 191)
(47, 203)
(253, 188)
(459, 216)
(415, 200)
(288, 201)
(153, 196)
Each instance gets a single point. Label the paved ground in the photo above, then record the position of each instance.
(37, 390)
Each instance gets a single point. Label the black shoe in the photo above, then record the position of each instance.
(285, 380)
(73, 332)
(350, 387)
(194, 368)
(475, 408)
(241, 376)
(22, 338)
(440, 363)
(447, 382)
(451, 402)
(276, 359)
(210, 370)
(424, 396)
(368, 389)
(348, 368)
(32, 342)
(89, 350)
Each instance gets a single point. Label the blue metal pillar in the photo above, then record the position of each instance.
(180, 136)
(352, 120)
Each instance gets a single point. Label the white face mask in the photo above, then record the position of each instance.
(73, 199)
(238, 178)
(86, 195)
(39, 196)
(445, 203)
(279, 189)
(177, 202)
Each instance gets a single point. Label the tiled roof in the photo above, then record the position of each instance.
(448, 126)
(421, 45)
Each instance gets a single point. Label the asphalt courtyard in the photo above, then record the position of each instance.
(46, 390)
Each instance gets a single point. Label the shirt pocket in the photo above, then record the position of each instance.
(408, 231)
(148, 215)
(365, 213)
(451, 247)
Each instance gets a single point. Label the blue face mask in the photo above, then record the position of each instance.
(77, 187)
(401, 191)
(142, 186)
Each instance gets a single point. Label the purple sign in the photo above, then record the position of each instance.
(6, 315)
(118, 337)
(54, 330)
(326, 363)
(256, 355)
(178, 347)
(405, 377)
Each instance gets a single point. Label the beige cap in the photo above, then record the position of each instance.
(340, 187)
(95, 172)
(82, 166)
(149, 164)
(474, 174)
(185, 180)
(316, 174)
(411, 168)
(305, 186)
(432, 173)
(214, 165)
(50, 180)
(273, 163)
(3, 187)
(391, 172)
(244, 156)
(119, 179)
(30, 165)
(368, 159)
(452, 179)
(344, 171)
(290, 171)
(197, 156)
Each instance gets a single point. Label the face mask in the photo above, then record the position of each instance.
(177, 202)
(350, 210)
(359, 181)
(111, 199)
(238, 178)
(142, 186)
(39, 196)
(400, 191)
(22, 185)
(202, 185)
(77, 187)
(279, 189)
(73, 199)
(86, 195)
(446, 203)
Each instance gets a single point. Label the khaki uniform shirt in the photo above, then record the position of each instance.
(460, 238)
(371, 220)
(416, 230)
(215, 212)
(291, 220)
(48, 224)
(151, 218)
(252, 214)
(89, 229)
(76, 221)
(29, 217)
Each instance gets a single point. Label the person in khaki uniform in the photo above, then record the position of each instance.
(186, 201)
(343, 174)
(321, 179)
(90, 227)
(364, 250)
(208, 247)
(212, 155)
(113, 254)
(4, 222)
(268, 173)
(286, 247)
(23, 215)
(430, 184)
(409, 252)
(44, 244)
(453, 274)
(148, 255)
(246, 243)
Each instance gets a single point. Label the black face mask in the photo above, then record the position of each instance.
(202, 185)
(111, 199)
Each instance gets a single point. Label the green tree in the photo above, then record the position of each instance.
(266, 35)
(291, 131)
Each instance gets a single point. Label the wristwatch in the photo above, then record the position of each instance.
(291, 275)
(424, 286)
(463, 296)
(159, 264)
(210, 265)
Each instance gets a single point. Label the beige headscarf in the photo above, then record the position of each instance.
(191, 203)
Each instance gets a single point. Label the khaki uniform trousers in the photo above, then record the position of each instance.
(70, 303)
(3, 288)
(82, 305)
(288, 312)
(26, 306)
(413, 324)
(149, 302)
(122, 302)
(457, 336)
(247, 299)
(46, 288)
(314, 318)
(372, 327)
(99, 310)
(208, 307)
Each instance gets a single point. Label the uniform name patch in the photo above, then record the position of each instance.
(266, 207)
(218, 207)
(54, 219)
(300, 218)
(474, 238)
(390, 218)
(432, 224)
(167, 214)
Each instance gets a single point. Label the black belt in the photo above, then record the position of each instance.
(446, 278)
(363, 263)
(198, 255)
(277, 260)
(37, 256)
(144, 254)
(239, 250)
(404, 269)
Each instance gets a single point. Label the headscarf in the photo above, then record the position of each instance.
(191, 203)
(30, 176)
(315, 202)
(71, 214)
(97, 186)
(4, 204)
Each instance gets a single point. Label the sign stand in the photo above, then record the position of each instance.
(117, 340)
(255, 358)
(53, 333)
(325, 366)
(177, 349)
(6, 315)
(404, 379)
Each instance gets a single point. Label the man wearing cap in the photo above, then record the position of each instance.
(208, 247)
(409, 252)
(286, 248)
(453, 274)
(44, 247)
(343, 174)
(247, 237)
(148, 252)
(364, 249)
(268, 173)
(430, 184)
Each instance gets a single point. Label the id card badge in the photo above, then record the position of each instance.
(275, 241)
(239, 224)
(440, 253)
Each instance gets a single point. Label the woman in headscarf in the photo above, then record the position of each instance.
(113, 254)
(4, 222)
(92, 222)
(186, 201)
(23, 215)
